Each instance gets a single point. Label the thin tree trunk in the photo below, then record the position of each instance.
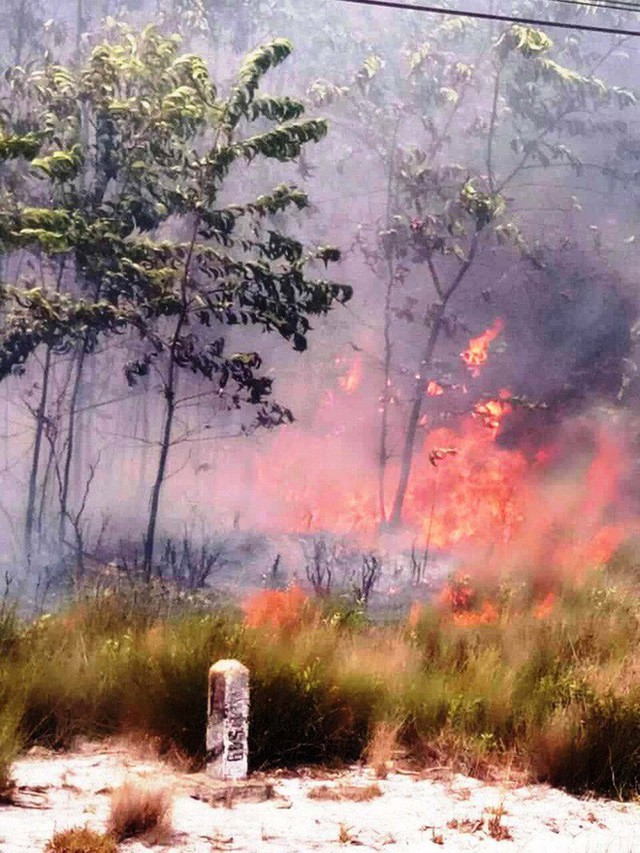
(66, 474)
(79, 26)
(48, 468)
(165, 444)
(170, 410)
(437, 317)
(41, 419)
(35, 459)
(383, 453)
(19, 42)
(414, 417)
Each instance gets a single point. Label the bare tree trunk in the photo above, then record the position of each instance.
(35, 459)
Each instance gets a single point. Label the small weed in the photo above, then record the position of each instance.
(496, 829)
(466, 825)
(345, 835)
(81, 840)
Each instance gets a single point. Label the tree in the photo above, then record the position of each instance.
(133, 148)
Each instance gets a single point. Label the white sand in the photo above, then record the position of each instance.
(411, 815)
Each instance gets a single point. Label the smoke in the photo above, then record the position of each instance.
(518, 464)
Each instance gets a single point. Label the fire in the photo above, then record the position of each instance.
(546, 606)
(415, 614)
(458, 595)
(493, 411)
(466, 488)
(487, 614)
(477, 353)
(351, 381)
(549, 513)
(280, 610)
(458, 599)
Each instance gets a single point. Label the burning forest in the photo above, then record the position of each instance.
(319, 332)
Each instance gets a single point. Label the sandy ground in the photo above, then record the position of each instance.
(61, 791)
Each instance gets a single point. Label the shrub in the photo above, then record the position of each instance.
(138, 811)
(81, 840)
(11, 713)
(593, 745)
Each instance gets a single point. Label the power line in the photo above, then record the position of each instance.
(491, 16)
(612, 5)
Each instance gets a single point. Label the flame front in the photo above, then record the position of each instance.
(547, 511)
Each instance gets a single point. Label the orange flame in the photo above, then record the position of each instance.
(457, 595)
(546, 606)
(434, 389)
(488, 614)
(280, 610)
(493, 411)
(477, 353)
(415, 614)
(351, 381)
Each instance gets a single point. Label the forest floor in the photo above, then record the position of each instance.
(405, 812)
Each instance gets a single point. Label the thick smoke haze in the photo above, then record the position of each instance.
(486, 173)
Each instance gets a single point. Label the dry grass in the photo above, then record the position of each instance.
(554, 699)
(382, 748)
(340, 793)
(139, 811)
(81, 839)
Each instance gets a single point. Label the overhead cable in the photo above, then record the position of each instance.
(609, 5)
(492, 16)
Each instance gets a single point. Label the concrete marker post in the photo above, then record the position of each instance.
(227, 740)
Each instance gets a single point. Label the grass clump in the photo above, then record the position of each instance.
(382, 746)
(552, 692)
(139, 811)
(81, 840)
